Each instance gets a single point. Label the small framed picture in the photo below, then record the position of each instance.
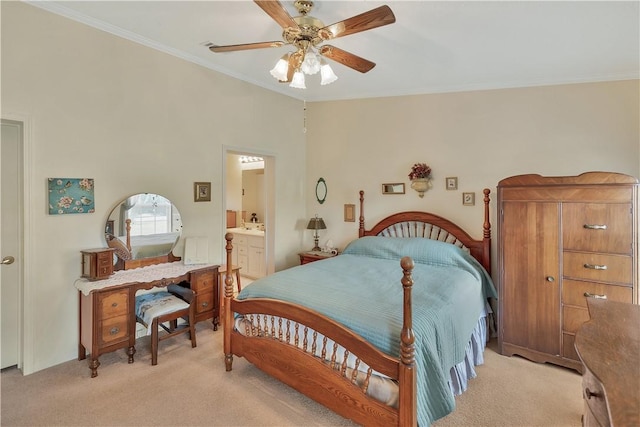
(349, 213)
(201, 191)
(469, 199)
(452, 183)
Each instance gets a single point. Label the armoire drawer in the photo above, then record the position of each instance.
(575, 292)
(597, 227)
(573, 318)
(598, 267)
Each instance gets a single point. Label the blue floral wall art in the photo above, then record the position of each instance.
(71, 196)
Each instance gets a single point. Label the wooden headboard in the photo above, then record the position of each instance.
(435, 227)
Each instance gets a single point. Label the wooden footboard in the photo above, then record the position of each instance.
(272, 342)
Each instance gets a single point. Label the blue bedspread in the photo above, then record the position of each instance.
(361, 289)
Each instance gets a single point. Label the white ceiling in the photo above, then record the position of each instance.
(434, 46)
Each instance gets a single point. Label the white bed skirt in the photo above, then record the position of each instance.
(465, 370)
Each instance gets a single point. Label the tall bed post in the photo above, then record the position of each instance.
(361, 228)
(486, 233)
(408, 412)
(227, 319)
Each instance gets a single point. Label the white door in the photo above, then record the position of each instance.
(10, 241)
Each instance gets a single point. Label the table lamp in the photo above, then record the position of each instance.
(316, 224)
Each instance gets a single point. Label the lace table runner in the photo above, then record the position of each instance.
(149, 273)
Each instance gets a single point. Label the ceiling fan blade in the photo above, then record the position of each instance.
(346, 58)
(247, 46)
(365, 21)
(277, 12)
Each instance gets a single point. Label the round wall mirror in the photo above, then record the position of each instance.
(143, 226)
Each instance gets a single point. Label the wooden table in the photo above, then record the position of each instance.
(609, 348)
(311, 256)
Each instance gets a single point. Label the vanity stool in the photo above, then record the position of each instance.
(155, 309)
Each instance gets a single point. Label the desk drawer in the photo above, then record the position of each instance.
(114, 303)
(204, 302)
(598, 267)
(113, 330)
(594, 397)
(203, 281)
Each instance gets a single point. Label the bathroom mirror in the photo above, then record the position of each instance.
(143, 227)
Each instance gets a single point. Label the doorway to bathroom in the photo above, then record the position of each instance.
(250, 211)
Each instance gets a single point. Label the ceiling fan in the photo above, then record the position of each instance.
(307, 34)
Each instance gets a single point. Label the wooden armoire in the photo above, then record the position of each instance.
(562, 240)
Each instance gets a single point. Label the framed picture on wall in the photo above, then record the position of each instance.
(202, 191)
(70, 196)
(468, 199)
(349, 213)
(451, 183)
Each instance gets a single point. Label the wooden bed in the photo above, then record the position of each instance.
(326, 379)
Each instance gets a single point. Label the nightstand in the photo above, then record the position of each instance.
(311, 256)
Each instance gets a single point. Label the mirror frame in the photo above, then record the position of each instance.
(321, 190)
(393, 188)
(126, 264)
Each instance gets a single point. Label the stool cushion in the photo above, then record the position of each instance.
(151, 305)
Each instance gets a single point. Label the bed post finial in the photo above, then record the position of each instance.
(361, 227)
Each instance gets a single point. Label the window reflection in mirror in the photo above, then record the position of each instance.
(155, 226)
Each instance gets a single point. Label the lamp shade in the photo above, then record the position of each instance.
(298, 80)
(316, 224)
(281, 69)
(327, 75)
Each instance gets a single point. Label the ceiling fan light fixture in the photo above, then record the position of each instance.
(327, 75)
(298, 80)
(281, 68)
(311, 63)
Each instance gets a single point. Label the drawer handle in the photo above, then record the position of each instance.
(114, 330)
(595, 226)
(591, 394)
(115, 304)
(205, 304)
(595, 266)
(550, 279)
(596, 296)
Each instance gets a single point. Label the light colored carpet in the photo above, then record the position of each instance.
(190, 387)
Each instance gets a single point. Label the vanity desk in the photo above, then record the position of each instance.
(107, 319)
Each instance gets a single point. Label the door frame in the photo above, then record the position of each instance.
(269, 200)
(26, 313)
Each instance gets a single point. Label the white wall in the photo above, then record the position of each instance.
(480, 137)
(135, 120)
